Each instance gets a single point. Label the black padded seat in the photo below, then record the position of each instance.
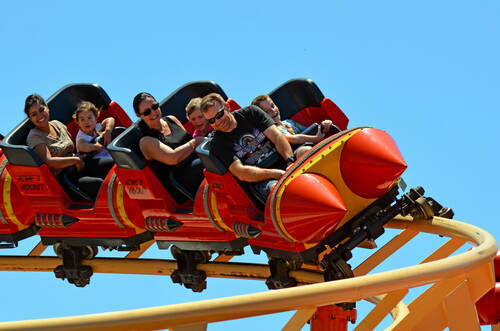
(209, 160)
(125, 149)
(175, 104)
(62, 105)
(295, 95)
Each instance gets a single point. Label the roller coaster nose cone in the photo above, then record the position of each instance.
(371, 162)
(310, 208)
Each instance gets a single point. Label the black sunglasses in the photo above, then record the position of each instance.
(149, 110)
(217, 116)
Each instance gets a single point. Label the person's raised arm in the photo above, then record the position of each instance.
(108, 125)
(152, 148)
(248, 173)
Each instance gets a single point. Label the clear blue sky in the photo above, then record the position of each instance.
(427, 72)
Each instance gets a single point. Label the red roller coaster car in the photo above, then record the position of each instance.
(336, 196)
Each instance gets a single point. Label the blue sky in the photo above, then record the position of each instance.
(426, 72)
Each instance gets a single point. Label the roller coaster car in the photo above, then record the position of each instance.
(32, 198)
(338, 189)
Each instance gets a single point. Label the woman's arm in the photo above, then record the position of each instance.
(152, 148)
(57, 162)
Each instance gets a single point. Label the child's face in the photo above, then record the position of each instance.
(86, 122)
(199, 122)
(270, 108)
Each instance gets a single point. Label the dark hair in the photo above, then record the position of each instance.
(140, 98)
(31, 100)
(259, 99)
(85, 106)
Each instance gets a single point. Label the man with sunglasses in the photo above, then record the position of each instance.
(243, 139)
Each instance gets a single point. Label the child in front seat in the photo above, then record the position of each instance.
(98, 161)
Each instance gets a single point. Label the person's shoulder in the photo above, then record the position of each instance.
(33, 133)
(248, 111)
(82, 135)
(35, 137)
(252, 108)
(58, 124)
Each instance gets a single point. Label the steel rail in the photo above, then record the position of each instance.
(302, 297)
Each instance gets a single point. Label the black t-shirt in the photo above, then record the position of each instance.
(247, 141)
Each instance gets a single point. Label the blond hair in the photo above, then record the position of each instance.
(193, 104)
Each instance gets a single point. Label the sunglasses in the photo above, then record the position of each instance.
(148, 111)
(217, 116)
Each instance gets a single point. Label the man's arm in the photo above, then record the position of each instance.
(248, 173)
(278, 139)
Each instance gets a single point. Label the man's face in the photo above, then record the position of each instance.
(271, 109)
(218, 117)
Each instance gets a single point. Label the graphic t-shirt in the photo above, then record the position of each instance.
(247, 141)
(103, 154)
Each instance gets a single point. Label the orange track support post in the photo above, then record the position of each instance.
(332, 318)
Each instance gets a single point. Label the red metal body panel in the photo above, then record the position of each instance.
(15, 208)
(312, 208)
(371, 162)
(488, 307)
(332, 318)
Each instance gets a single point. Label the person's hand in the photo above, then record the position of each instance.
(325, 125)
(320, 134)
(198, 140)
(98, 147)
(79, 163)
(106, 136)
(277, 173)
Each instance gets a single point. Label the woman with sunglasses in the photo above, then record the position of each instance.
(169, 147)
(52, 142)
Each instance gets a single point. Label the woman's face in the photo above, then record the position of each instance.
(150, 115)
(199, 122)
(86, 122)
(39, 115)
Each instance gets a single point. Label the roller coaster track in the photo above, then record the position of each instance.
(456, 283)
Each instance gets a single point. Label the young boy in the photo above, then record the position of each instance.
(86, 140)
